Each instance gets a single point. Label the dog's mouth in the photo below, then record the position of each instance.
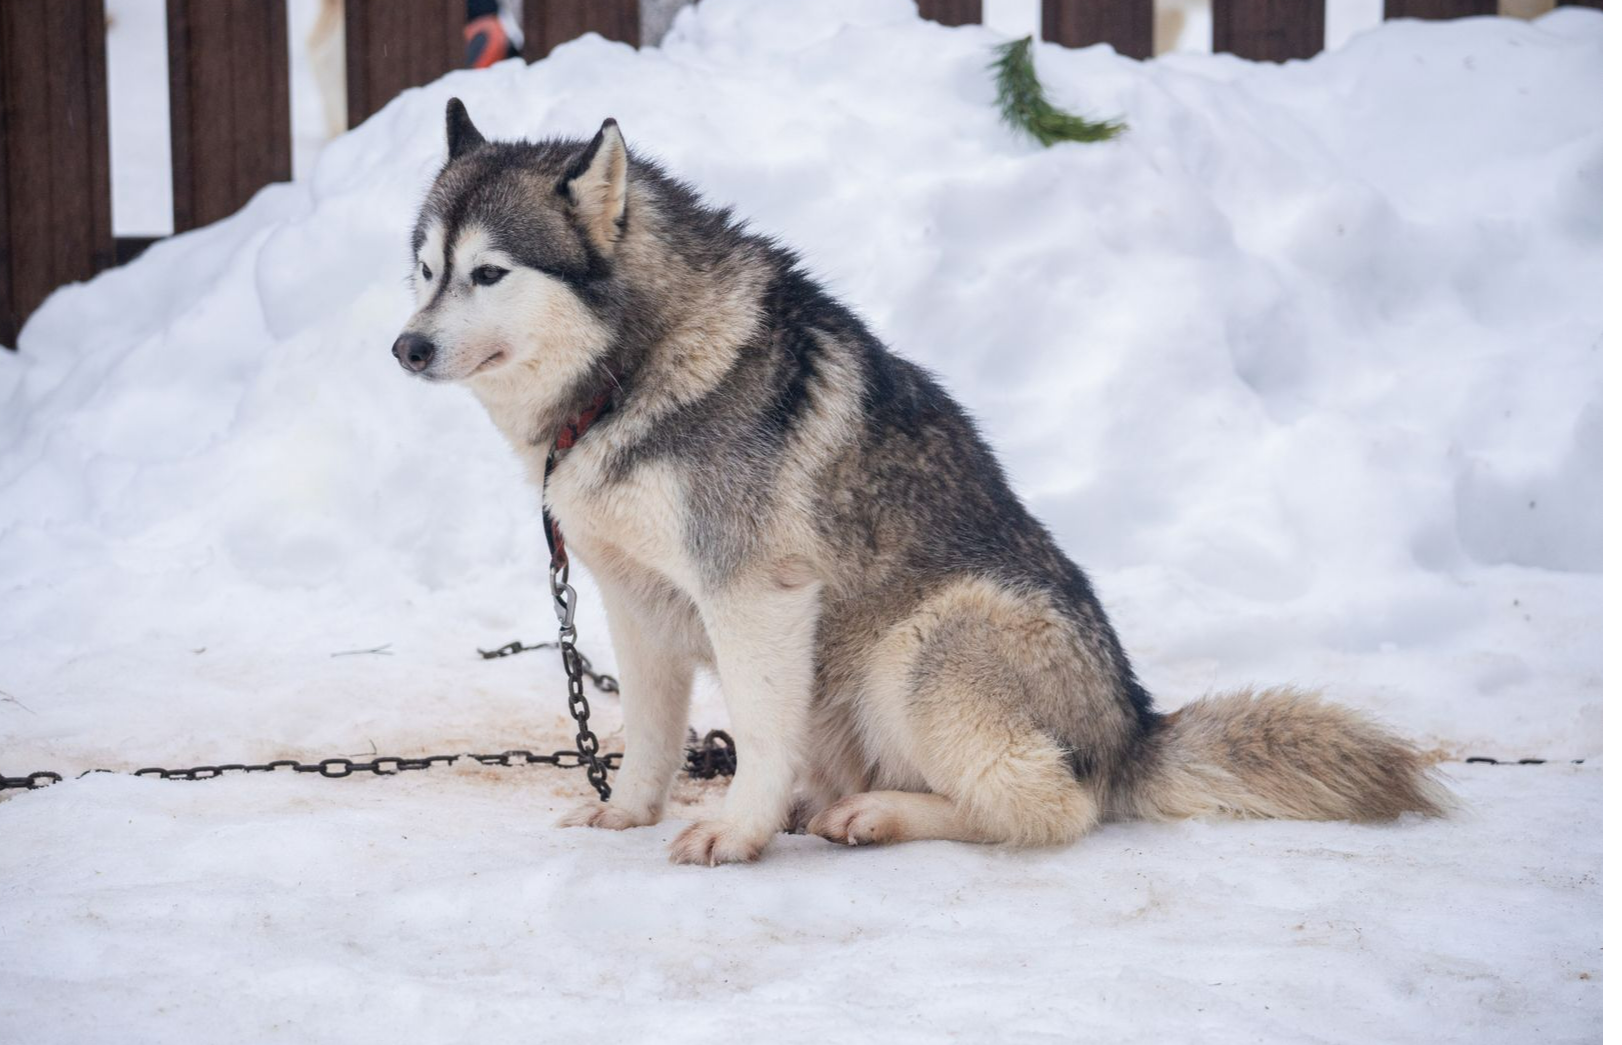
(494, 358)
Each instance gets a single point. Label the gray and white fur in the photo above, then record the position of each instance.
(904, 651)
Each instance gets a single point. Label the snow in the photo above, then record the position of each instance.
(1305, 370)
(331, 912)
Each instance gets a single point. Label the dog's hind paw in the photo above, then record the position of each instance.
(862, 819)
(605, 815)
(711, 842)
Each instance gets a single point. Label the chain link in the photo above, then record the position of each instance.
(715, 755)
(602, 680)
(31, 781)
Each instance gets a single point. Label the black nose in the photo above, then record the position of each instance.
(414, 352)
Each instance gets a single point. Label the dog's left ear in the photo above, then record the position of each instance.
(595, 184)
(460, 134)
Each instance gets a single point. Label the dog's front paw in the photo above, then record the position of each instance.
(606, 815)
(711, 842)
(861, 819)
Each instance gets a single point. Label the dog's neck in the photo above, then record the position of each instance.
(534, 418)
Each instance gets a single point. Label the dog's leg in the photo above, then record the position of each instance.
(999, 786)
(837, 767)
(656, 683)
(954, 690)
(762, 639)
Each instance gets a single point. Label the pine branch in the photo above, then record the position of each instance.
(1025, 107)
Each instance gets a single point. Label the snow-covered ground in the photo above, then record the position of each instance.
(1304, 369)
(437, 909)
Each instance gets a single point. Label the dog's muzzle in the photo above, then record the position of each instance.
(414, 352)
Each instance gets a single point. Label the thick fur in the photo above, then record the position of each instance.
(1278, 753)
(904, 651)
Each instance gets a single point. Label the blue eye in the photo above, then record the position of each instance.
(426, 274)
(488, 275)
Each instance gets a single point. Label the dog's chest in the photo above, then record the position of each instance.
(634, 522)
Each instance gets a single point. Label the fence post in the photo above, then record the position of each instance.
(56, 210)
(1126, 25)
(1268, 30)
(1439, 8)
(390, 45)
(548, 23)
(952, 12)
(229, 129)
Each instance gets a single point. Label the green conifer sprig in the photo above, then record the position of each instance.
(1025, 107)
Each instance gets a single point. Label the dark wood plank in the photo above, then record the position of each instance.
(952, 12)
(10, 310)
(230, 132)
(392, 45)
(1268, 30)
(127, 248)
(1439, 8)
(55, 195)
(548, 23)
(1126, 25)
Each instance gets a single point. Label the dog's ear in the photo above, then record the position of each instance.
(595, 185)
(460, 134)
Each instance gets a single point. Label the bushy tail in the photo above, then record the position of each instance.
(1277, 753)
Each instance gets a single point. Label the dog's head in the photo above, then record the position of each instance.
(512, 245)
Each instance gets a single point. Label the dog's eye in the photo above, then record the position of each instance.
(488, 275)
(426, 274)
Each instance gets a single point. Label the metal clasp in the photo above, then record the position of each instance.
(563, 600)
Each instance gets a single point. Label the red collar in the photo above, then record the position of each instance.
(571, 431)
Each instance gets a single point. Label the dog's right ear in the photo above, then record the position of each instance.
(460, 134)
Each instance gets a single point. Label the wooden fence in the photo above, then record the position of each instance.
(228, 97)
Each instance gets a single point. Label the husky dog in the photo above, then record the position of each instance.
(767, 491)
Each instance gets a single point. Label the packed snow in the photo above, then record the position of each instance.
(1304, 369)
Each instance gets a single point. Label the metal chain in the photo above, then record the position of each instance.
(584, 739)
(604, 682)
(332, 768)
(715, 755)
(563, 602)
